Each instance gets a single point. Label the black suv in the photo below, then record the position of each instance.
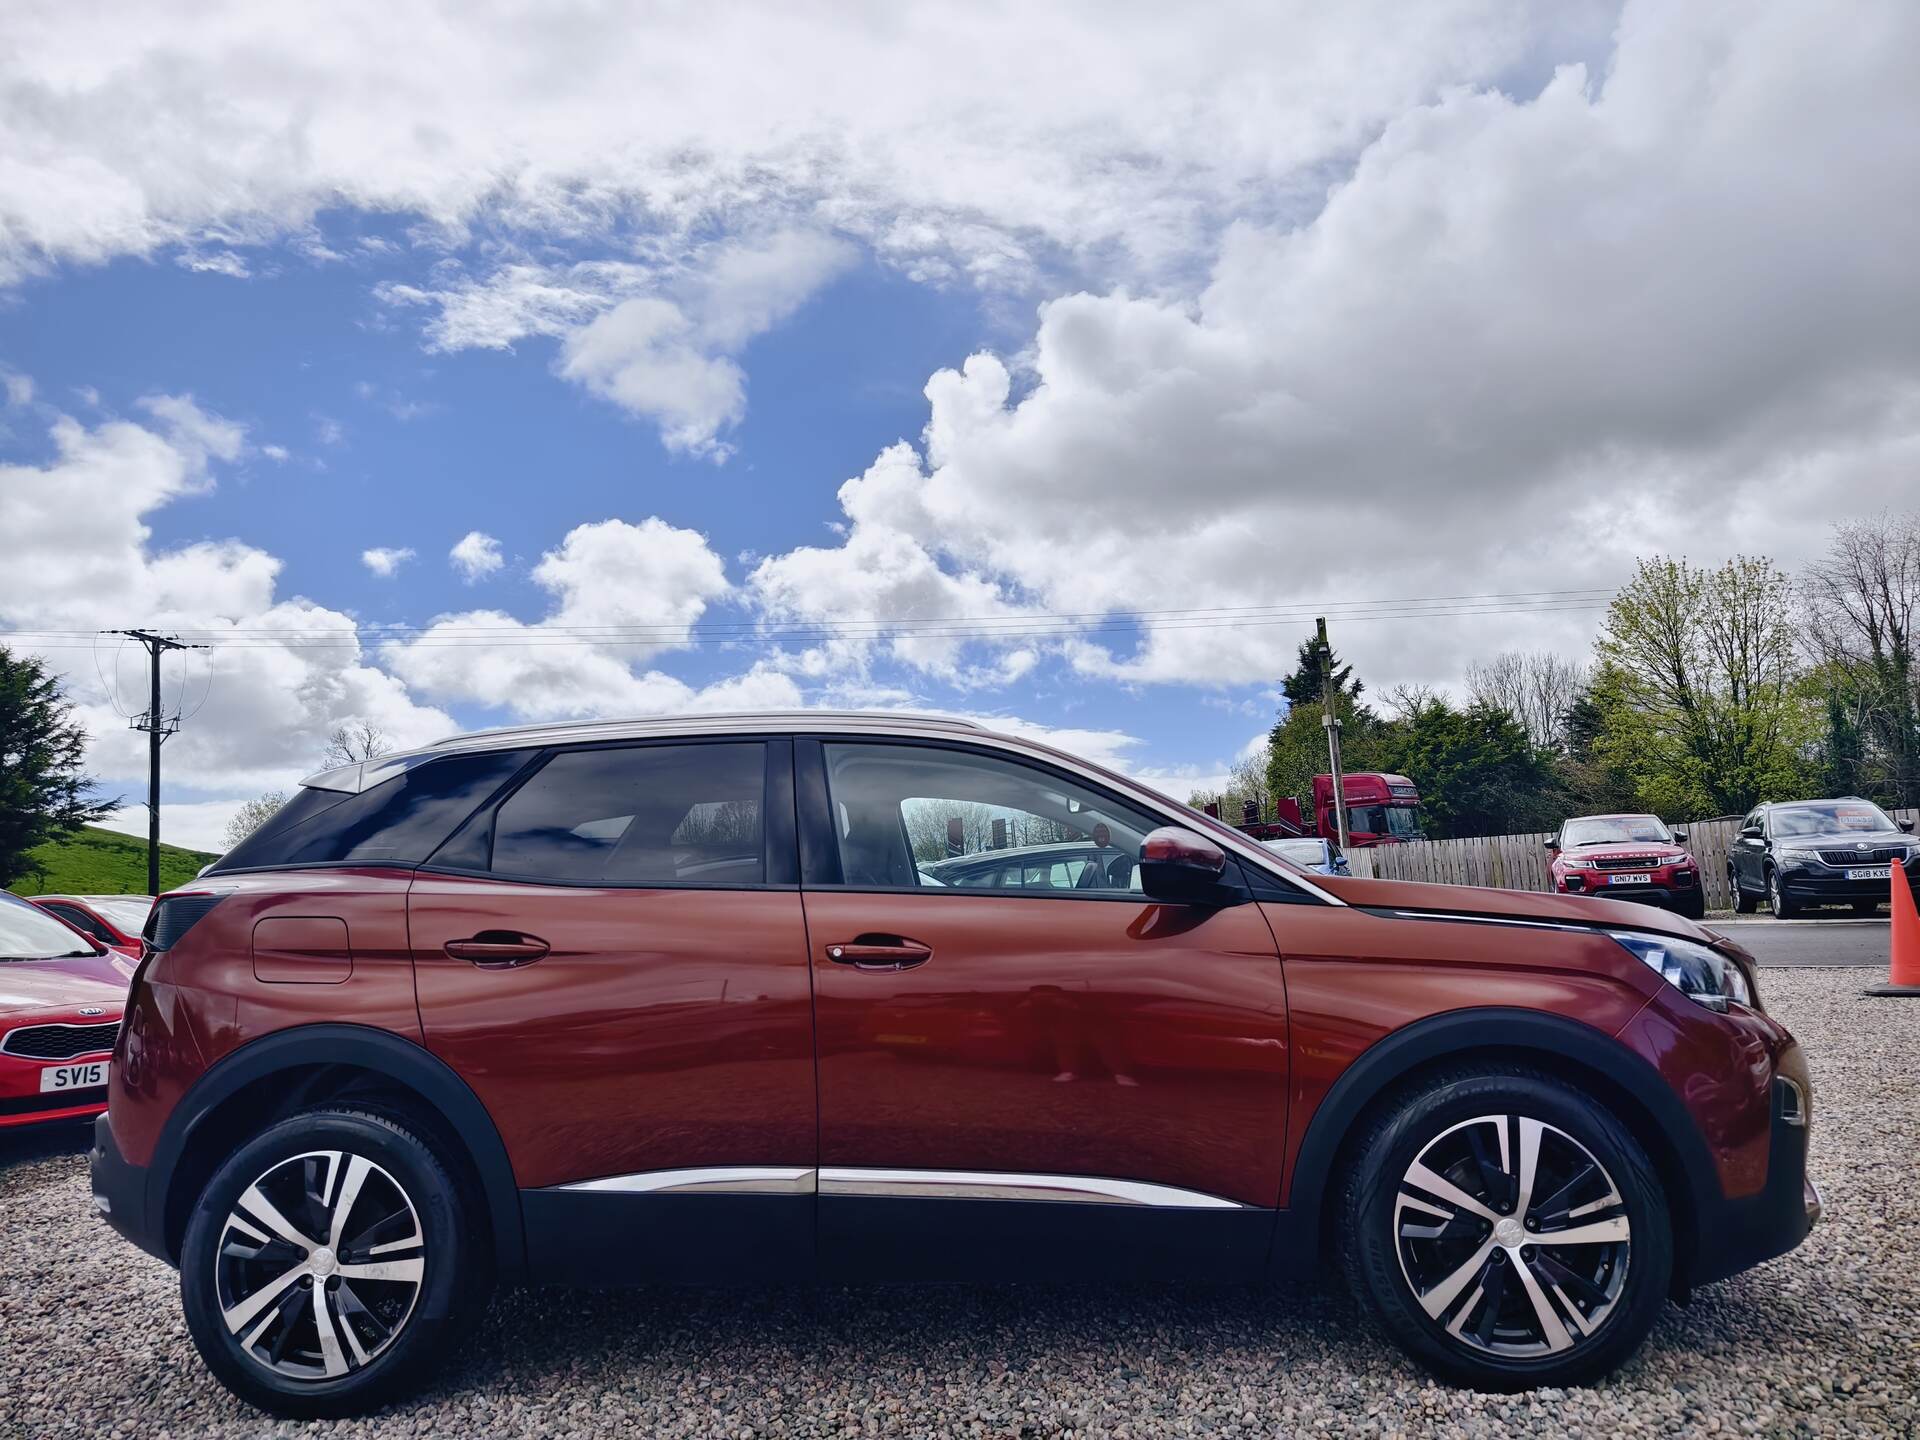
(1818, 852)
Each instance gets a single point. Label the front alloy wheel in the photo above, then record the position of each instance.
(1506, 1230)
(1512, 1236)
(1777, 901)
(319, 1265)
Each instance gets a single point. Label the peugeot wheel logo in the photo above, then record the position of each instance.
(91, 1010)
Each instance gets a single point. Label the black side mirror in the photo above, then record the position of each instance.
(1749, 832)
(1551, 843)
(1679, 837)
(1180, 867)
(1906, 825)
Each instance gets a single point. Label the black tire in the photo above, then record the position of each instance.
(1743, 903)
(1782, 905)
(447, 1261)
(1381, 1258)
(1693, 906)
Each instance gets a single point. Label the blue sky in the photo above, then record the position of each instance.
(1134, 341)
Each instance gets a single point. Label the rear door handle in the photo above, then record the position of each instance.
(880, 952)
(498, 949)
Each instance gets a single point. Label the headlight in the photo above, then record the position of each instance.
(1576, 864)
(1694, 970)
(1801, 857)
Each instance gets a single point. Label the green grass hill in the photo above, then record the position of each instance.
(93, 861)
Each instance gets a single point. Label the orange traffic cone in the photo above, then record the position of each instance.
(1903, 969)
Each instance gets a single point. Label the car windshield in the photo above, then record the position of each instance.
(29, 933)
(1829, 817)
(1615, 830)
(1300, 852)
(1398, 820)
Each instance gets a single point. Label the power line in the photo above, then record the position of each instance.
(1022, 626)
(158, 726)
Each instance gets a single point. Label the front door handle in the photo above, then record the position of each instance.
(880, 952)
(498, 949)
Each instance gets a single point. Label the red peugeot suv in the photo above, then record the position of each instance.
(698, 1000)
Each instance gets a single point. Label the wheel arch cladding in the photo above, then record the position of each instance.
(290, 1070)
(1567, 1050)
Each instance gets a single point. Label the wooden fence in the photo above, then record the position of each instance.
(1519, 862)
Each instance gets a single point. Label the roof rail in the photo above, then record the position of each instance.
(705, 717)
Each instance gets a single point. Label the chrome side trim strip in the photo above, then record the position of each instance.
(711, 1180)
(1496, 920)
(989, 1185)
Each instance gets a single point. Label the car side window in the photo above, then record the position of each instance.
(82, 921)
(911, 816)
(639, 815)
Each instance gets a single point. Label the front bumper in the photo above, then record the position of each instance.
(120, 1194)
(1817, 884)
(1672, 890)
(1758, 1227)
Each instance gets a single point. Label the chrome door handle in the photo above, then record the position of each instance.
(498, 949)
(880, 952)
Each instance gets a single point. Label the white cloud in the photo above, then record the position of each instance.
(622, 594)
(476, 556)
(949, 142)
(657, 340)
(1667, 305)
(19, 388)
(81, 559)
(385, 561)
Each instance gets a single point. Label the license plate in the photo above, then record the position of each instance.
(90, 1076)
(1629, 879)
(1872, 872)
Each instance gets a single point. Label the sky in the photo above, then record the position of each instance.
(443, 366)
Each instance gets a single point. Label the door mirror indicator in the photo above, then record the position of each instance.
(1182, 867)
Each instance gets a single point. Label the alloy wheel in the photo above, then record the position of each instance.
(1513, 1238)
(319, 1265)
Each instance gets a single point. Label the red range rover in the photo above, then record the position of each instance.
(687, 1000)
(1627, 857)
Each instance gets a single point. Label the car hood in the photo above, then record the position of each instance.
(1845, 840)
(1477, 900)
(1665, 849)
(32, 985)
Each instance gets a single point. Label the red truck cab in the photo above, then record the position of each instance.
(1381, 809)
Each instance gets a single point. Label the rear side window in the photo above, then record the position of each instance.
(641, 815)
(398, 822)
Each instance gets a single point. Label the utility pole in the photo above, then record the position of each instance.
(1331, 722)
(158, 727)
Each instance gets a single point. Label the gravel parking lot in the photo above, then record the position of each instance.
(1823, 1342)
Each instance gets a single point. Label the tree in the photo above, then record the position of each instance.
(43, 789)
(1537, 687)
(1596, 781)
(252, 815)
(1862, 601)
(1246, 780)
(354, 742)
(1709, 718)
(1478, 772)
(1302, 687)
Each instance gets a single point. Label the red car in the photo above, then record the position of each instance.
(115, 921)
(60, 1002)
(1627, 857)
(677, 1001)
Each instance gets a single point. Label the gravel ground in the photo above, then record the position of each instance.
(1825, 1341)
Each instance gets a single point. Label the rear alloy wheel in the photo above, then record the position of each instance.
(1509, 1232)
(324, 1264)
